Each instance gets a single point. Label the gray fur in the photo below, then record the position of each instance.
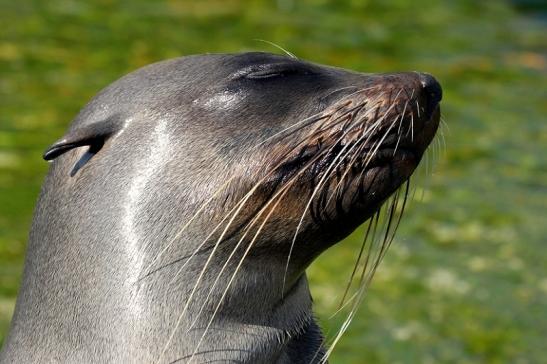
(173, 133)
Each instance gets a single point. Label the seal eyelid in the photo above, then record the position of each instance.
(270, 74)
(274, 70)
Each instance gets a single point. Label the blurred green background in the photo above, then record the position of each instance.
(466, 278)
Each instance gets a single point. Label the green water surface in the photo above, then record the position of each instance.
(466, 278)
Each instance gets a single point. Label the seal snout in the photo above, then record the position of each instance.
(432, 92)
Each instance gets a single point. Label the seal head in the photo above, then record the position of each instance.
(186, 200)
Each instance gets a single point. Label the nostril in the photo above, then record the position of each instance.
(432, 88)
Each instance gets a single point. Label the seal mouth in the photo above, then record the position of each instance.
(401, 145)
(353, 170)
(352, 149)
(382, 157)
(344, 162)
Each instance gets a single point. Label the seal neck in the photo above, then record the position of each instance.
(79, 302)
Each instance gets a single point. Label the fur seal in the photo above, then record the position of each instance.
(186, 200)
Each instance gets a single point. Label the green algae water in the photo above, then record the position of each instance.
(465, 280)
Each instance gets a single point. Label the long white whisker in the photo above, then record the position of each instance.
(278, 47)
(232, 279)
(319, 116)
(179, 233)
(320, 185)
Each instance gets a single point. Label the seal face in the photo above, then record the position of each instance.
(187, 199)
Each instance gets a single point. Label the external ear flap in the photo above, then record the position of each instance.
(92, 135)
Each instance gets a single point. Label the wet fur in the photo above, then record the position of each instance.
(187, 199)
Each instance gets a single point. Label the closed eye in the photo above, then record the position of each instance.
(275, 70)
(272, 73)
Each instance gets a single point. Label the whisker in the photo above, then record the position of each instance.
(278, 47)
(399, 134)
(319, 185)
(179, 233)
(233, 277)
(279, 195)
(368, 130)
(239, 207)
(357, 154)
(198, 281)
(357, 261)
(386, 242)
(344, 101)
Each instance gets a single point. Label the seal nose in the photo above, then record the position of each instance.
(431, 87)
(432, 91)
